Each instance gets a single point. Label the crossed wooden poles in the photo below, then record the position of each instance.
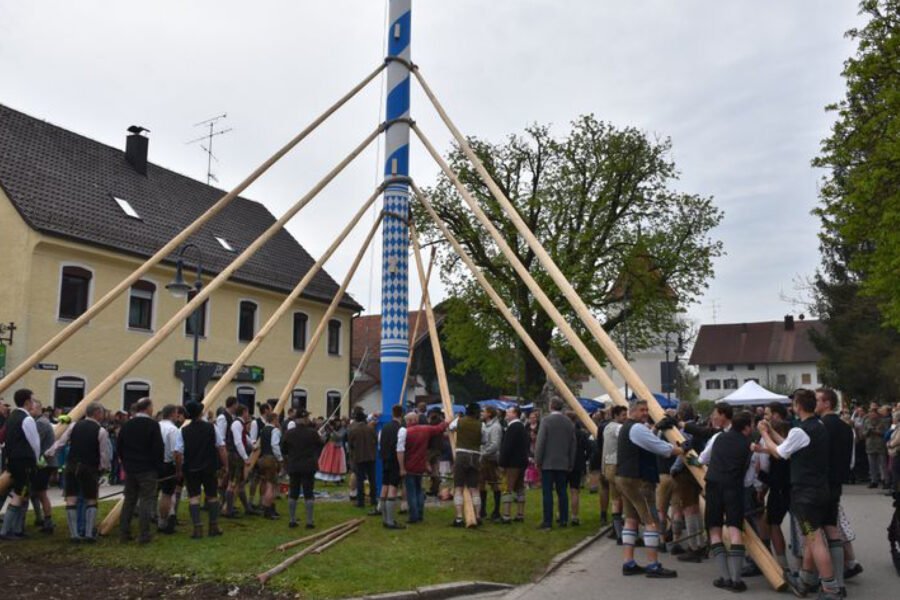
(758, 551)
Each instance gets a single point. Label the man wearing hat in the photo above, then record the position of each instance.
(467, 465)
(199, 449)
(301, 447)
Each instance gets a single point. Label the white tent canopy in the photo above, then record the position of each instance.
(752, 393)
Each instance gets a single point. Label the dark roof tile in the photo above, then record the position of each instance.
(768, 342)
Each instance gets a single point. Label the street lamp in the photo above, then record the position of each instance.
(672, 379)
(181, 289)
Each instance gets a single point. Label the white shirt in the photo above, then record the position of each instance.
(178, 446)
(254, 431)
(291, 424)
(221, 426)
(795, 441)
(237, 433)
(401, 440)
(168, 430)
(276, 444)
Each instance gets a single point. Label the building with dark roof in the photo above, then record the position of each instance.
(775, 354)
(77, 216)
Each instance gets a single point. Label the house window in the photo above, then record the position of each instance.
(132, 392)
(730, 384)
(226, 245)
(753, 379)
(805, 379)
(301, 320)
(712, 368)
(74, 292)
(729, 367)
(751, 367)
(127, 208)
(713, 384)
(298, 399)
(199, 315)
(246, 395)
(247, 321)
(333, 404)
(140, 305)
(334, 337)
(781, 379)
(67, 392)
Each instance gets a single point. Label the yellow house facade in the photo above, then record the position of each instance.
(58, 259)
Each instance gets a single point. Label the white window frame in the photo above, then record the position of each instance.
(59, 277)
(65, 375)
(329, 391)
(154, 300)
(306, 333)
(146, 382)
(237, 331)
(340, 351)
(299, 389)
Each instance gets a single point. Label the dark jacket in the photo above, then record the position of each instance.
(363, 442)
(140, 445)
(515, 446)
(301, 447)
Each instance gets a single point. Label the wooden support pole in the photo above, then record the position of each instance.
(326, 545)
(552, 375)
(342, 527)
(323, 324)
(148, 346)
(175, 242)
(764, 559)
(415, 329)
(446, 401)
(264, 577)
(285, 306)
(580, 348)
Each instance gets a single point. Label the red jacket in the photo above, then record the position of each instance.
(415, 455)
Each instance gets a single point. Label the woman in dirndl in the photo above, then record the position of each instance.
(333, 460)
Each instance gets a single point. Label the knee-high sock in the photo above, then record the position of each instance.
(694, 529)
(38, 509)
(629, 537)
(718, 554)
(618, 524)
(292, 509)
(175, 503)
(72, 521)
(736, 561)
(90, 516)
(213, 508)
(243, 496)
(229, 502)
(390, 510)
(11, 521)
(194, 509)
(477, 505)
(309, 505)
(677, 529)
(497, 497)
(836, 549)
(482, 511)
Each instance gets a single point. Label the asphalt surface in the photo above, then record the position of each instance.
(596, 572)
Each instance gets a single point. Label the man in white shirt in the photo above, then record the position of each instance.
(23, 449)
(167, 482)
(610, 445)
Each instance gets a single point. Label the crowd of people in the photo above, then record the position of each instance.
(761, 466)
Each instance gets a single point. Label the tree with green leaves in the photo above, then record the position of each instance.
(602, 201)
(857, 288)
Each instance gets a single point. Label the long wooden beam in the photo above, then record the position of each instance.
(323, 324)
(173, 244)
(542, 360)
(196, 302)
(762, 557)
(415, 329)
(580, 348)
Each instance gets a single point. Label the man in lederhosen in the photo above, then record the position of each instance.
(269, 463)
(88, 456)
(198, 448)
(23, 449)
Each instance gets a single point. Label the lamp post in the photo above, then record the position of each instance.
(181, 289)
(672, 378)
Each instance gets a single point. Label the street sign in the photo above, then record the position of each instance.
(247, 373)
(46, 367)
(2, 357)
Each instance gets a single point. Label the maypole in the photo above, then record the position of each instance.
(395, 232)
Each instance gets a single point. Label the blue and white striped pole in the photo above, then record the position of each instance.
(395, 233)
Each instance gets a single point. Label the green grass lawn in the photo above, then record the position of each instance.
(373, 560)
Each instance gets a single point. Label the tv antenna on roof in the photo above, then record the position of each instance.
(208, 138)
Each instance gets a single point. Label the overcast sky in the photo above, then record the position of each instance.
(739, 87)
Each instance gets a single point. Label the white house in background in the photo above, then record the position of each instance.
(650, 365)
(777, 354)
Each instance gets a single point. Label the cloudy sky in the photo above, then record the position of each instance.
(739, 87)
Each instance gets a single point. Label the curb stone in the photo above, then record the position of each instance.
(571, 553)
(440, 591)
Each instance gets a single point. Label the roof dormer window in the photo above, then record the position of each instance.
(224, 243)
(127, 208)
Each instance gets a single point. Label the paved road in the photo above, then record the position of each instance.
(595, 573)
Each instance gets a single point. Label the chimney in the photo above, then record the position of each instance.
(788, 322)
(136, 149)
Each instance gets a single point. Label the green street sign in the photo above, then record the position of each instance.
(2, 356)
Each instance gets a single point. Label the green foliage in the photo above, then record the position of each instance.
(860, 195)
(601, 201)
(704, 407)
(857, 291)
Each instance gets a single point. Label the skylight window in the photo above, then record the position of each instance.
(127, 208)
(224, 243)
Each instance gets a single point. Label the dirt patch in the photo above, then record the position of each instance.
(51, 579)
